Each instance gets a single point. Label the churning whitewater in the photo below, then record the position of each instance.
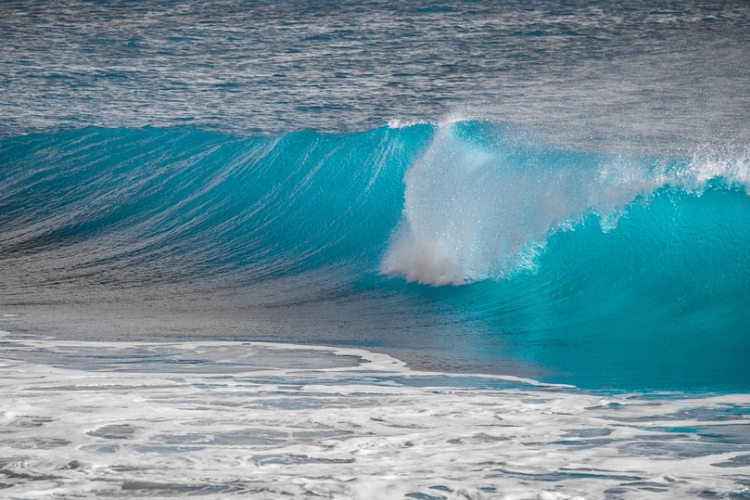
(483, 200)
(222, 419)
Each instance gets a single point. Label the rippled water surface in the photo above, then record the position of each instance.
(663, 74)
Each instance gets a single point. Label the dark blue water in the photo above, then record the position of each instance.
(556, 190)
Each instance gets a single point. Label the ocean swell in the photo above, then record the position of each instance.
(130, 207)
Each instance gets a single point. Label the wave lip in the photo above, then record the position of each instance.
(484, 198)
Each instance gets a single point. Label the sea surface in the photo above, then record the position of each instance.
(425, 249)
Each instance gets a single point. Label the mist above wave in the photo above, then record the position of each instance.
(484, 198)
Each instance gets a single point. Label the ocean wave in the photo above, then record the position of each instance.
(587, 263)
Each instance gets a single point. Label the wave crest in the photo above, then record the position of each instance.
(484, 198)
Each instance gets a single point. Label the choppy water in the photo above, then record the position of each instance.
(556, 191)
(653, 74)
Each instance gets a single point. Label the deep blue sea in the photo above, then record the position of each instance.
(555, 190)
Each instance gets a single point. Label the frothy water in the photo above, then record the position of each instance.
(218, 419)
(483, 200)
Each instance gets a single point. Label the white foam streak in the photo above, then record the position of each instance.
(707, 165)
(398, 123)
(219, 419)
(475, 209)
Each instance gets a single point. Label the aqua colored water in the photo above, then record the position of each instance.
(552, 190)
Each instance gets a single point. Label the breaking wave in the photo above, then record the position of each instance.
(545, 242)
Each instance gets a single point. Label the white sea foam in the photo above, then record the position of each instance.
(222, 419)
(475, 209)
(397, 123)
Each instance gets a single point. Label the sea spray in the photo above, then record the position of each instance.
(484, 198)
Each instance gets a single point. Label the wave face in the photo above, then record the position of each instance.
(133, 207)
(604, 270)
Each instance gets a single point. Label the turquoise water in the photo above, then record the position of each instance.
(607, 271)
